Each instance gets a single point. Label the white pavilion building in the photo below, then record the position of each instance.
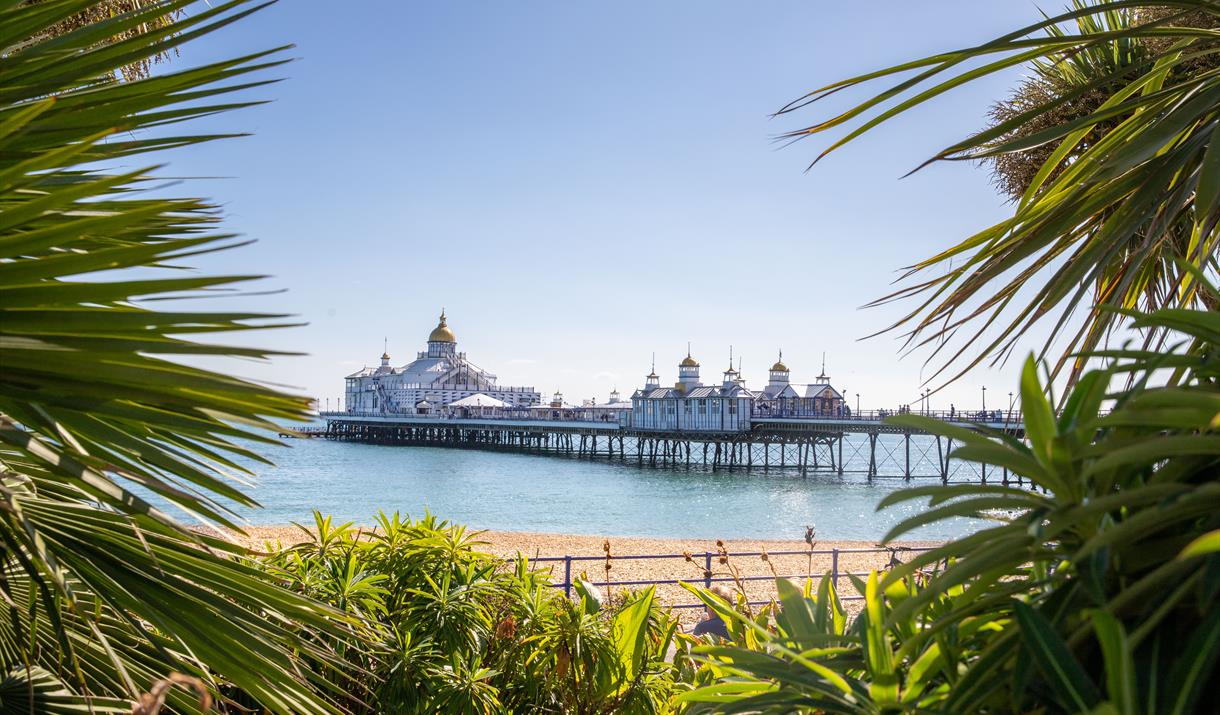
(692, 406)
(438, 377)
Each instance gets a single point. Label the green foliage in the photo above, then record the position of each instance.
(1094, 591)
(103, 594)
(1121, 200)
(446, 628)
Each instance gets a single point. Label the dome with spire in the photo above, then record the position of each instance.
(779, 367)
(441, 333)
(688, 361)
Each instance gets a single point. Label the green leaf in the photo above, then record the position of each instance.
(1054, 659)
(1192, 671)
(1117, 653)
(1207, 195)
(1208, 543)
(630, 629)
(1039, 421)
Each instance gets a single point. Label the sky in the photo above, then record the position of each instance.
(580, 185)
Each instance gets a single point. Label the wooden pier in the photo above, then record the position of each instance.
(834, 445)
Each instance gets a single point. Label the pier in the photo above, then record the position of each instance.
(441, 399)
(802, 443)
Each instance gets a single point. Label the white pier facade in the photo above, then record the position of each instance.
(441, 399)
(438, 377)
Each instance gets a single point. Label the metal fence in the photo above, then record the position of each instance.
(709, 575)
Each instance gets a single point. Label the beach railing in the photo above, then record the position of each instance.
(710, 576)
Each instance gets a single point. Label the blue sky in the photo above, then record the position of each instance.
(582, 184)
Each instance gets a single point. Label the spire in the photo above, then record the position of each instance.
(688, 361)
(823, 377)
(385, 349)
(730, 370)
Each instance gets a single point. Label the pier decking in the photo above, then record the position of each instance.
(802, 442)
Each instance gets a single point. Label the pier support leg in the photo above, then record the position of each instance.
(872, 455)
(907, 472)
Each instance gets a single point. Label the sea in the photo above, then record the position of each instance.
(524, 492)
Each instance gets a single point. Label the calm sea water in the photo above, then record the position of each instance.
(496, 490)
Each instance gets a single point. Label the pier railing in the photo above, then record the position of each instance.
(609, 417)
(708, 559)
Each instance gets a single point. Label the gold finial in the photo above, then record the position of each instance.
(688, 361)
(779, 365)
(441, 333)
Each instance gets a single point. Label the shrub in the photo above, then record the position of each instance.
(446, 628)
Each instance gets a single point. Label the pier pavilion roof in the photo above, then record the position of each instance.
(822, 389)
(775, 392)
(478, 400)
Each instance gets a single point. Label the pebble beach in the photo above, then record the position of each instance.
(751, 572)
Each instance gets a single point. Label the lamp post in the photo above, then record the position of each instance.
(984, 398)
(1010, 399)
(857, 403)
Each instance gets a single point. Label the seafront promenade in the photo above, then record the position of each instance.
(636, 562)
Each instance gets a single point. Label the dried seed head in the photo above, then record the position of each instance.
(606, 546)
(686, 555)
(507, 628)
(724, 559)
(764, 555)
(719, 544)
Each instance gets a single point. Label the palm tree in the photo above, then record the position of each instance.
(1107, 151)
(100, 426)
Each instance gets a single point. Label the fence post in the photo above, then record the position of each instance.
(707, 569)
(567, 576)
(834, 569)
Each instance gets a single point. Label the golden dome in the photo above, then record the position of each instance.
(441, 333)
(688, 361)
(385, 356)
(779, 365)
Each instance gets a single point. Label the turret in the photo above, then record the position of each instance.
(779, 372)
(688, 372)
(731, 377)
(557, 399)
(651, 381)
(441, 341)
(385, 361)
